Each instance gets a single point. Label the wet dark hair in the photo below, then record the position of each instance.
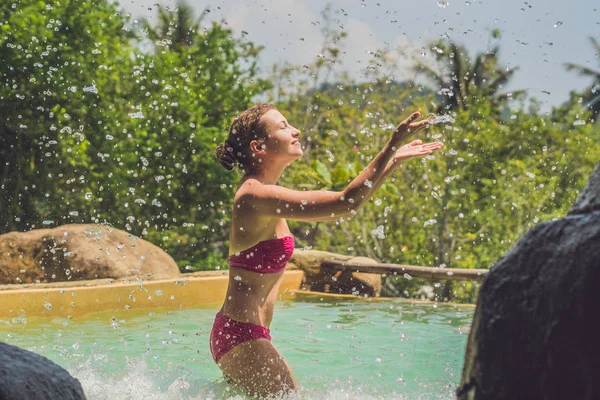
(245, 128)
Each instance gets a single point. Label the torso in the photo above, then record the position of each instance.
(250, 295)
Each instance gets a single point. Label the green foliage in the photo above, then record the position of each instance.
(93, 129)
(49, 53)
(463, 207)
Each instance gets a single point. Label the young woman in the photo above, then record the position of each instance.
(263, 144)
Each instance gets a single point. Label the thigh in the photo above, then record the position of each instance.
(258, 369)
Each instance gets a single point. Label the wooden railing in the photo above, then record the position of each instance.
(453, 274)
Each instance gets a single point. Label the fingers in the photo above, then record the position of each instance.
(414, 116)
(421, 124)
(406, 123)
(418, 146)
(432, 145)
(416, 149)
(429, 148)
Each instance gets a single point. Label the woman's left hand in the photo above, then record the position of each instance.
(415, 149)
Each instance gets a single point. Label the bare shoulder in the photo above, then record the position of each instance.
(249, 223)
(248, 190)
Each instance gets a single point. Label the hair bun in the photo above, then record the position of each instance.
(225, 156)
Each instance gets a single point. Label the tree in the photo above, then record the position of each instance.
(53, 59)
(176, 29)
(591, 95)
(169, 188)
(95, 130)
(462, 208)
(462, 83)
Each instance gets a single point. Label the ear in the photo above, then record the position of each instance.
(258, 147)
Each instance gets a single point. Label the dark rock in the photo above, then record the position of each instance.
(347, 282)
(28, 376)
(533, 334)
(589, 199)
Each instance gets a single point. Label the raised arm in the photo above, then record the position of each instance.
(414, 149)
(317, 205)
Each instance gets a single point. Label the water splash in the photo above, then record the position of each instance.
(142, 383)
(439, 119)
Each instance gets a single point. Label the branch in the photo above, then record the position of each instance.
(435, 273)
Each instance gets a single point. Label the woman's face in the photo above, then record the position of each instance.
(282, 141)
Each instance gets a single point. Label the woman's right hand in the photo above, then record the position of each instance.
(408, 128)
(414, 149)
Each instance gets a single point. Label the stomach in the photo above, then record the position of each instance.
(251, 296)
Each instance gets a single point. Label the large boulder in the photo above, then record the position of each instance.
(80, 252)
(346, 282)
(28, 376)
(533, 334)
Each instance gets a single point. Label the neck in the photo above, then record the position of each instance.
(268, 175)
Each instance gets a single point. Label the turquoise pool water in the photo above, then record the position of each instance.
(338, 350)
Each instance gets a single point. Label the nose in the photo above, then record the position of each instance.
(296, 132)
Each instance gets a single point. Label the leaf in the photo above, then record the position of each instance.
(323, 172)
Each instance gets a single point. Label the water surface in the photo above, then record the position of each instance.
(337, 349)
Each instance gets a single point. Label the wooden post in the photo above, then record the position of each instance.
(453, 274)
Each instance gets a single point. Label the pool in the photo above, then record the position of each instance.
(338, 349)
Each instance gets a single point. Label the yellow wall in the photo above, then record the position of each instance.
(54, 300)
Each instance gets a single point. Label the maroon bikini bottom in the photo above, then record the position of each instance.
(227, 333)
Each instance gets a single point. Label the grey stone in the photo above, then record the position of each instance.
(533, 334)
(81, 252)
(28, 376)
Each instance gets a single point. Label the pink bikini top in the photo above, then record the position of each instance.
(266, 257)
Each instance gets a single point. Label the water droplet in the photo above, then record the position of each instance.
(137, 115)
(91, 89)
(443, 4)
(330, 156)
(431, 221)
(378, 233)
(438, 119)
(449, 179)
(579, 122)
